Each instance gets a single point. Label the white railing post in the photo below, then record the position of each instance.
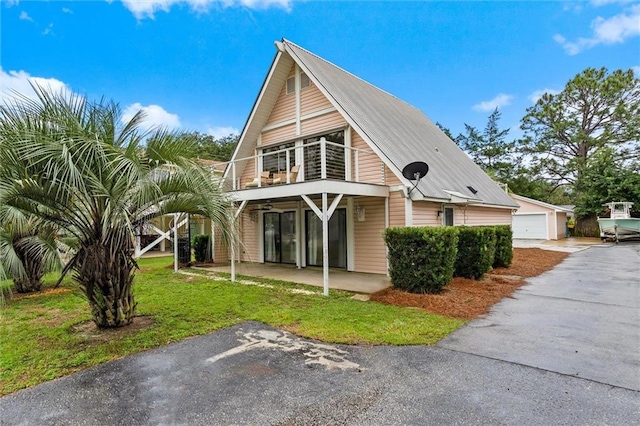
(357, 166)
(260, 168)
(233, 175)
(323, 158)
(347, 163)
(288, 165)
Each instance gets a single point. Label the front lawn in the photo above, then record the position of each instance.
(47, 335)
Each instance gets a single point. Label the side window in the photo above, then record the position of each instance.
(304, 80)
(291, 85)
(448, 216)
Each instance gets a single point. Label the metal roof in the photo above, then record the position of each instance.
(566, 209)
(400, 133)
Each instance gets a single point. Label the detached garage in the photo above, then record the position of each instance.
(537, 220)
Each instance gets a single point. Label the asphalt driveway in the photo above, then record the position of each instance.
(582, 319)
(254, 374)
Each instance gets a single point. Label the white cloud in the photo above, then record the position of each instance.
(155, 116)
(608, 31)
(538, 94)
(15, 84)
(148, 8)
(222, 131)
(636, 71)
(67, 10)
(24, 16)
(48, 30)
(499, 101)
(598, 3)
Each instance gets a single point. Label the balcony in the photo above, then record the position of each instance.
(317, 161)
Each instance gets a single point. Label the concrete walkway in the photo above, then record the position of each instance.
(567, 245)
(580, 319)
(338, 279)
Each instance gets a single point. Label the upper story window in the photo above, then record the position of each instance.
(275, 159)
(335, 157)
(291, 83)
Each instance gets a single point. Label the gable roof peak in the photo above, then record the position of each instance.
(286, 42)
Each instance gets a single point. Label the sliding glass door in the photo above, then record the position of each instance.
(337, 239)
(280, 237)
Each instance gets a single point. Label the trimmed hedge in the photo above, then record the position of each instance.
(421, 259)
(476, 251)
(504, 246)
(201, 247)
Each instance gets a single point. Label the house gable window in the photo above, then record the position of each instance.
(291, 83)
(304, 81)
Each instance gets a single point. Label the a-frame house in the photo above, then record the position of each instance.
(317, 174)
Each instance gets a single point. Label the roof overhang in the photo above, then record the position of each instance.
(555, 208)
(460, 198)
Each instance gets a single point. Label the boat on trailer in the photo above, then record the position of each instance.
(619, 225)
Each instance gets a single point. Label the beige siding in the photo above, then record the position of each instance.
(279, 134)
(249, 172)
(369, 165)
(249, 236)
(390, 178)
(285, 107)
(396, 210)
(561, 223)
(329, 121)
(478, 216)
(370, 250)
(426, 214)
(312, 99)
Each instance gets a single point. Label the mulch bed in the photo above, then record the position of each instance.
(466, 299)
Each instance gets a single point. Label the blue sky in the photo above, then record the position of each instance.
(199, 64)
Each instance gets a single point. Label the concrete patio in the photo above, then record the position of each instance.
(338, 279)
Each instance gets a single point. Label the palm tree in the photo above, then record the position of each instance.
(27, 252)
(80, 168)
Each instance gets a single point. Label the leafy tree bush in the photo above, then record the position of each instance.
(201, 246)
(476, 251)
(421, 259)
(504, 246)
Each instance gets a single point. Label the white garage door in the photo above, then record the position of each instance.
(530, 226)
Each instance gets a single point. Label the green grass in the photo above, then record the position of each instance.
(39, 341)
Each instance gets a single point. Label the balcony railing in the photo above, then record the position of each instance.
(313, 161)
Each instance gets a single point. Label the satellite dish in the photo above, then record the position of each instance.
(415, 171)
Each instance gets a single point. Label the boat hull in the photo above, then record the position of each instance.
(619, 229)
